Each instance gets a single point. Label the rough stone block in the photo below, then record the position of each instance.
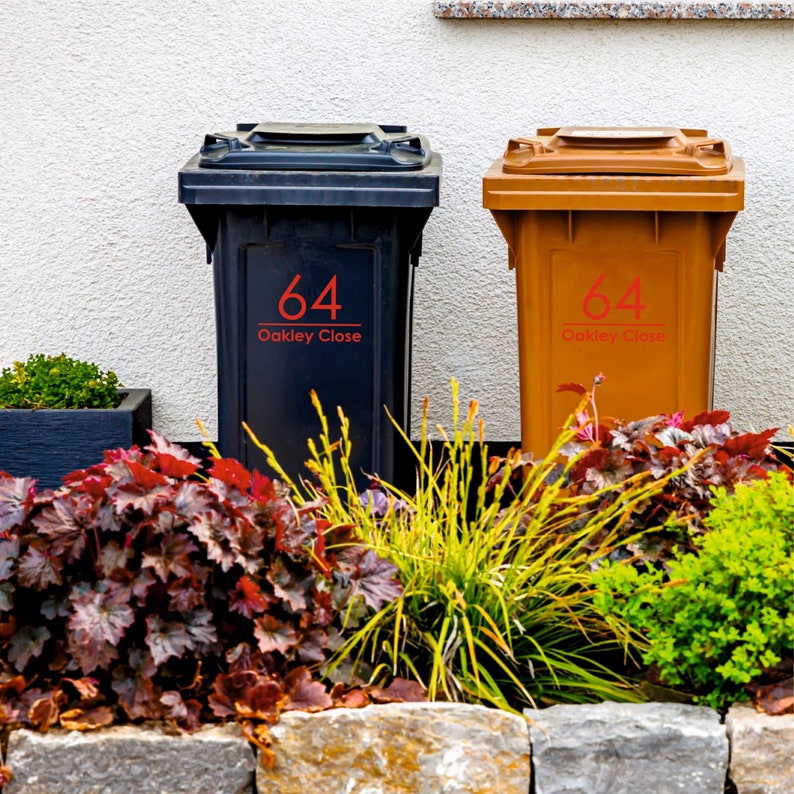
(126, 759)
(762, 751)
(626, 748)
(399, 748)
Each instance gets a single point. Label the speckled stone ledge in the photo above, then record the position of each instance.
(609, 9)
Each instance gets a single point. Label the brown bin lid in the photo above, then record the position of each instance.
(618, 150)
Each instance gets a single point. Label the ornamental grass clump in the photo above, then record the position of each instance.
(145, 589)
(497, 604)
(57, 382)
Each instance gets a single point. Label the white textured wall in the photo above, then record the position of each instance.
(102, 103)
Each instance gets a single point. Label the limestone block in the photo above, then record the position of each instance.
(762, 751)
(399, 748)
(626, 748)
(125, 759)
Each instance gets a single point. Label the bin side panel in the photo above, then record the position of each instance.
(630, 295)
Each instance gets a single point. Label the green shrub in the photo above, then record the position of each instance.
(725, 614)
(497, 600)
(57, 382)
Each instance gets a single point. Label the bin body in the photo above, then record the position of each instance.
(313, 271)
(616, 270)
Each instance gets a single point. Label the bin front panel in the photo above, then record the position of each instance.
(312, 299)
(312, 320)
(635, 304)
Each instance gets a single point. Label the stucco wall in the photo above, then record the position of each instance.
(101, 104)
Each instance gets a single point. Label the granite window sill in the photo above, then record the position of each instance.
(612, 9)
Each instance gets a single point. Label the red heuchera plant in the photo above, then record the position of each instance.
(142, 590)
(612, 451)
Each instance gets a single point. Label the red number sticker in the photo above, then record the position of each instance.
(600, 300)
(330, 291)
(595, 301)
(289, 295)
(636, 307)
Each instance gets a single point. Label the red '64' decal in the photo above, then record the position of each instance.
(596, 305)
(290, 298)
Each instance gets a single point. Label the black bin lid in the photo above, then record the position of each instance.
(315, 147)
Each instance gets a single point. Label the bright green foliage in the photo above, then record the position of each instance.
(57, 382)
(726, 612)
(497, 605)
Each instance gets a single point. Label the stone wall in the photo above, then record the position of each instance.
(427, 748)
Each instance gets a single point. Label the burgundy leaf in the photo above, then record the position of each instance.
(264, 701)
(313, 643)
(166, 639)
(753, 445)
(304, 694)
(400, 689)
(673, 436)
(231, 473)
(190, 499)
(87, 688)
(9, 553)
(706, 434)
(775, 698)
(186, 593)
(134, 587)
(185, 713)
(172, 460)
(375, 580)
(248, 542)
(133, 684)
(288, 586)
(274, 635)
(707, 418)
(113, 557)
(246, 694)
(37, 568)
(201, 630)
(145, 491)
(108, 519)
(27, 642)
(353, 698)
(247, 598)
(214, 530)
(59, 524)
(16, 497)
(262, 488)
(324, 611)
(613, 468)
(6, 596)
(294, 534)
(171, 558)
(100, 615)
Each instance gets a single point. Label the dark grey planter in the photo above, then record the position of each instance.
(48, 443)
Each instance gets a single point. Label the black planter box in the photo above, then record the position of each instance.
(48, 443)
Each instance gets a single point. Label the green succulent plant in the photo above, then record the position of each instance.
(57, 382)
